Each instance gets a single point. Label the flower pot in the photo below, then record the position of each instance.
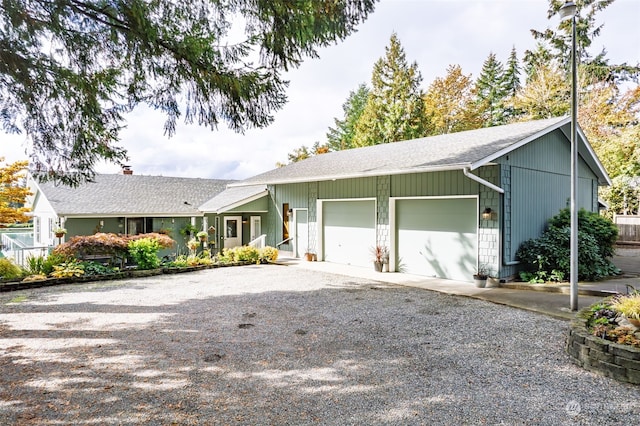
(59, 234)
(480, 281)
(377, 265)
(308, 256)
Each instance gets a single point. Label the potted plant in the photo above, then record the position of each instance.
(379, 253)
(193, 244)
(59, 232)
(309, 255)
(481, 275)
(202, 236)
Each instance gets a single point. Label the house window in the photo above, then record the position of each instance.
(36, 229)
(285, 221)
(52, 226)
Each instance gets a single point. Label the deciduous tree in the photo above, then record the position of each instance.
(13, 192)
(71, 69)
(449, 103)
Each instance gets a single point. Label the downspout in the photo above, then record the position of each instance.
(467, 173)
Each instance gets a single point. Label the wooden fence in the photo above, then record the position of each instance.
(628, 228)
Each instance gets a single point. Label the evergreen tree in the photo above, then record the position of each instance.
(559, 42)
(395, 108)
(71, 69)
(512, 74)
(511, 86)
(341, 136)
(450, 105)
(491, 92)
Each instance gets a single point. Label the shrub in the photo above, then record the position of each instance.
(114, 245)
(247, 254)
(268, 254)
(628, 305)
(9, 270)
(144, 251)
(548, 257)
(69, 269)
(52, 260)
(35, 264)
(95, 268)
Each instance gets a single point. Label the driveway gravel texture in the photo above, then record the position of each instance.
(280, 345)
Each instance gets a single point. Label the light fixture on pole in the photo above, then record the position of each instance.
(569, 11)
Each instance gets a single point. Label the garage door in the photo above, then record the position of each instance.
(437, 237)
(349, 231)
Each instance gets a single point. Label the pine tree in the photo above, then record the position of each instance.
(558, 42)
(511, 86)
(512, 74)
(395, 108)
(491, 92)
(71, 69)
(341, 136)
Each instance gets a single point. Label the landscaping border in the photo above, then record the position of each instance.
(13, 285)
(620, 362)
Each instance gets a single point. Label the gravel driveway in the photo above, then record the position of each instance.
(275, 345)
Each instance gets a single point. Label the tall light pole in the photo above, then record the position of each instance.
(568, 11)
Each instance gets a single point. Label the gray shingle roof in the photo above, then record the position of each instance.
(231, 197)
(119, 195)
(454, 150)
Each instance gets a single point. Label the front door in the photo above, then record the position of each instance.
(232, 231)
(301, 219)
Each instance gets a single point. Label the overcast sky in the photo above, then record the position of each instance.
(434, 33)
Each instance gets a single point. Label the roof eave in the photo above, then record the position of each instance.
(238, 203)
(446, 167)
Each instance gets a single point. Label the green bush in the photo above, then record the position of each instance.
(145, 253)
(9, 270)
(53, 260)
(95, 268)
(35, 264)
(548, 258)
(268, 254)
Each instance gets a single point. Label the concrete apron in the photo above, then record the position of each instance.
(554, 303)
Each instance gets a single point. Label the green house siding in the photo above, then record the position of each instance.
(536, 179)
(259, 205)
(348, 188)
(434, 184)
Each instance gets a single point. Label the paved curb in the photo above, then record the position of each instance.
(558, 288)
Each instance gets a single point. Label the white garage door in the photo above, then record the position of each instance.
(349, 231)
(437, 237)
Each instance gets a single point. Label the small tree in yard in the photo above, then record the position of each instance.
(548, 258)
(12, 194)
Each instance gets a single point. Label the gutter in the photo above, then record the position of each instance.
(467, 173)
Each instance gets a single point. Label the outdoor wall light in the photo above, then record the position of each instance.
(487, 213)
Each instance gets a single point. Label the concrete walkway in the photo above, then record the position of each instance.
(548, 299)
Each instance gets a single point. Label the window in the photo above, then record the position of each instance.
(36, 230)
(285, 221)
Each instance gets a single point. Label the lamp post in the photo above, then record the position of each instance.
(568, 11)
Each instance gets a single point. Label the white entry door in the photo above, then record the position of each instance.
(256, 227)
(301, 241)
(232, 231)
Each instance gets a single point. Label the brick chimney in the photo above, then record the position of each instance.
(126, 170)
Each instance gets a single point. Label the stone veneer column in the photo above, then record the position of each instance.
(383, 192)
(313, 216)
(488, 238)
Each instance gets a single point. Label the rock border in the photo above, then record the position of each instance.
(620, 362)
(13, 285)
